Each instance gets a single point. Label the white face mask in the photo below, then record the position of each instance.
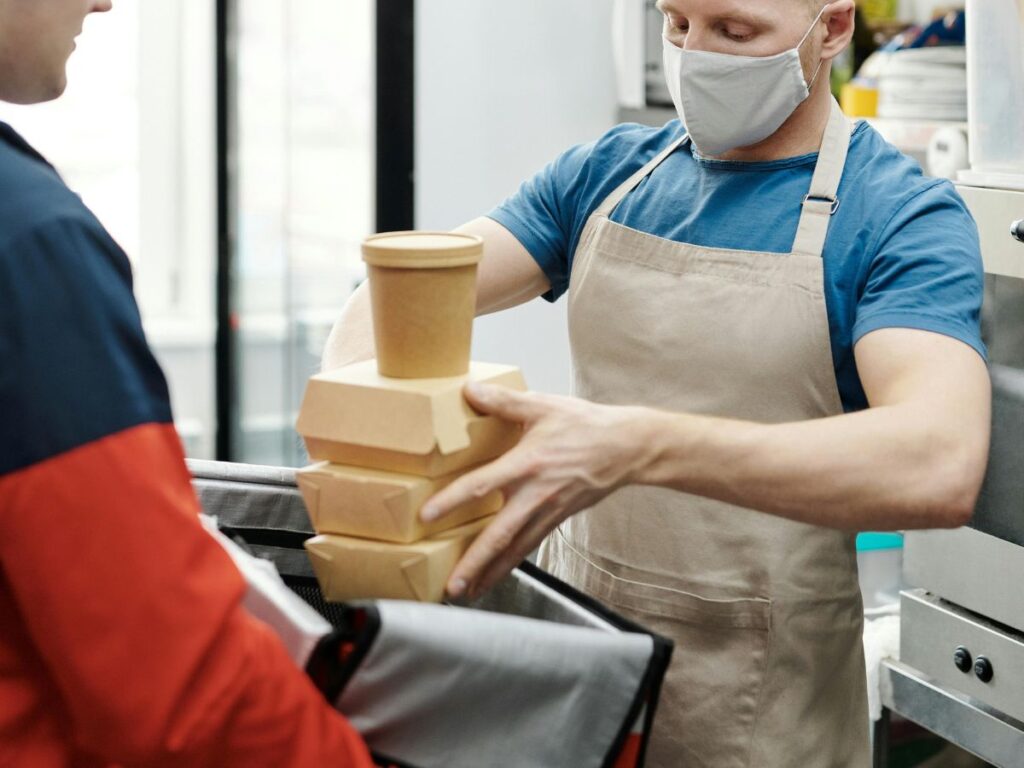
(728, 101)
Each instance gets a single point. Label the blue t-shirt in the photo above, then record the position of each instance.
(902, 249)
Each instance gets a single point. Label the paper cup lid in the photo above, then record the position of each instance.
(422, 250)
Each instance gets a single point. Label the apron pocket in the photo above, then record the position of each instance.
(711, 697)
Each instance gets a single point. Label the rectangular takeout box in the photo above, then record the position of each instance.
(349, 568)
(354, 416)
(373, 504)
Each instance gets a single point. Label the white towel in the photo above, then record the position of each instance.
(881, 641)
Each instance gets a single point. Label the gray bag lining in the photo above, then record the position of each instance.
(448, 687)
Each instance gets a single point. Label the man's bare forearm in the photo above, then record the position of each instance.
(351, 338)
(914, 459)
(881, 469)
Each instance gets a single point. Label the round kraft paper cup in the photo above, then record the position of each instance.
(423, 321)
(422, 250)
(423, 292)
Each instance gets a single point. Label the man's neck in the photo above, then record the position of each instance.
(799, 135)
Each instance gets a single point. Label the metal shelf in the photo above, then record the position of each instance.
(995, 210)
(959, 719)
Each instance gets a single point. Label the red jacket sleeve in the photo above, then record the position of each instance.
(136, 613)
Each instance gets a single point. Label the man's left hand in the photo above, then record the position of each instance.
(572, 454)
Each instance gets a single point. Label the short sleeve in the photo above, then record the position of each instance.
(76, 364)
(543, 215)
(926, 272)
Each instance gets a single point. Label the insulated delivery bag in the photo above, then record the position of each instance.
(533, 675)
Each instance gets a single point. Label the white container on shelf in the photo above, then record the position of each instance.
(880, 569)
(995, 75)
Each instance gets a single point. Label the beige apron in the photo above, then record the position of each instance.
(766, 613)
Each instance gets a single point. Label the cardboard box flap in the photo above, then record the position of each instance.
(452, 414)
(321, 557)
(319, 549)
(311, 496)
(416, 572)
(397, 505)
(355, 405)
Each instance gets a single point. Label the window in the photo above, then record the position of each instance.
(140, 99)
(305, 149)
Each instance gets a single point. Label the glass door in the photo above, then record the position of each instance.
(303, 199)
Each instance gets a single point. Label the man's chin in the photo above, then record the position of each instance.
(39, 93)
(59, 86)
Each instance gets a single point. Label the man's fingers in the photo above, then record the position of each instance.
(518, 530)
(495, 542)
(472, 485)
(528, 540)
(505, 403)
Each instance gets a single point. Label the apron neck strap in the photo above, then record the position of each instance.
(616, 197)
(822, 201)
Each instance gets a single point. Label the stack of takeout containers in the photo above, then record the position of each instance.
(390, 433)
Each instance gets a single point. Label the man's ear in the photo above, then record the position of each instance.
(839, 17)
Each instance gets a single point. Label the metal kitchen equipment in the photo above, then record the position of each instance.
(636, 45)
(961, 668)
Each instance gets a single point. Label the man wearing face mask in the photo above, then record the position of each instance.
(774, 321)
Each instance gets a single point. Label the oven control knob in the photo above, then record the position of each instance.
(983, 669)
(1017, 230)
(962, 659)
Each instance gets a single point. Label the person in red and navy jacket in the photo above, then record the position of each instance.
(122, 639)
